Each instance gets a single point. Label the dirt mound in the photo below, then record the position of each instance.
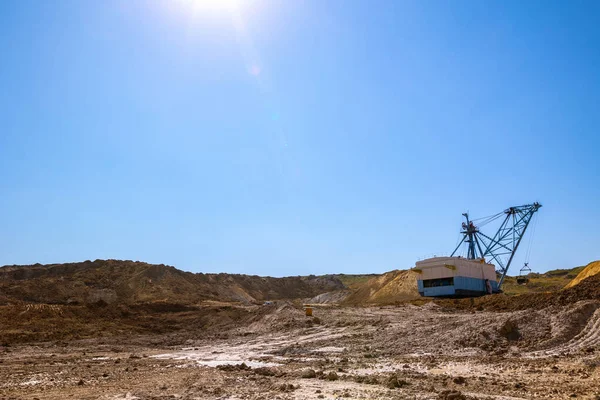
(336, 297)
(43, 322)
(549, 281)
(591, 269)
(127, 282)
(588, 289)
(388, 288)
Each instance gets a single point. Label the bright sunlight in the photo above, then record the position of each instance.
(210, 5)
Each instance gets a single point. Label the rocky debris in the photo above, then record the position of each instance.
(367, 379)
(459, 380)
(287, 387)
(510, 330)
(417, 355)
(265, 371)
(234, 367)
(332, 376)
(543, 345)
(309, 374)
(393, 382)
(451, 395)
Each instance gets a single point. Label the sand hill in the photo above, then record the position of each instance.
(126, 282)
(129, 282)
(549, 281)
(393, 286)
(591, 269)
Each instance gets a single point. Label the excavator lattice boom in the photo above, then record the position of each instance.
(502, 246)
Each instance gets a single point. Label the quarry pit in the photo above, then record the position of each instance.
(276, 352)
(239, 337)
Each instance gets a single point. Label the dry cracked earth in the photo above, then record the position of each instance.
(392, 352)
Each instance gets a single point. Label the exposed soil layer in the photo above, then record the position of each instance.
(388, 288)
(540, 345)
(127, 282)
(275, 351)
(587, 289)
(591, 269)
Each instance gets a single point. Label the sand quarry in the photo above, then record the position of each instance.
(406, 351)
(536, 345)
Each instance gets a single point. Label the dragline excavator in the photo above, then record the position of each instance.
(484, 266)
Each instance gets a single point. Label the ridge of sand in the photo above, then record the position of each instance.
(591, 269)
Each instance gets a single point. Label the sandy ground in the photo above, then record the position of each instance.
(401, 352)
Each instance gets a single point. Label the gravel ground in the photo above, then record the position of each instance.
(401, 352)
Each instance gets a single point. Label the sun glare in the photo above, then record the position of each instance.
(211, 5)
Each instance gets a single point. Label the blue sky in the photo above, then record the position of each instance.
(294, 137)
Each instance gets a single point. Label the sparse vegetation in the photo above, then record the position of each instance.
(551, 281)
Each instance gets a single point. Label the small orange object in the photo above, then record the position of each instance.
(309, 311)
